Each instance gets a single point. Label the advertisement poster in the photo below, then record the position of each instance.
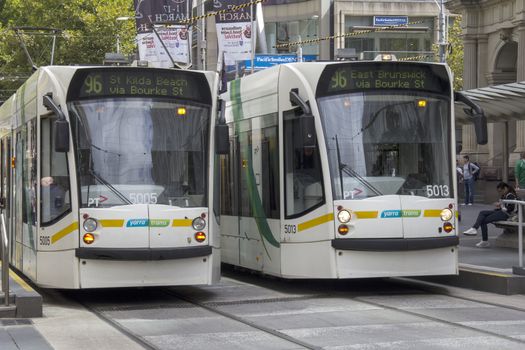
(172, 38)
(234, 31)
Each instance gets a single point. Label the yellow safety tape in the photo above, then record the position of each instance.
(315, 222)
(19, 280)
(414, 58)
(366, 214)
(432, 213)
(181, 222)
(63, 233)
(111, 223)
(496, 274)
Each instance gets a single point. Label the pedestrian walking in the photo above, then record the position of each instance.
(469, 170)
(502, 212)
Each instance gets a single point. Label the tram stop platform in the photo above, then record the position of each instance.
(485, 269)
(24, 301)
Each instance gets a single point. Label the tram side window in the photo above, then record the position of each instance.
(28, 144)
(303, 176)
(55, 194)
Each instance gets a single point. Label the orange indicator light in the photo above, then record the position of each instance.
(200, 237)
(343, 229)
(89, 238)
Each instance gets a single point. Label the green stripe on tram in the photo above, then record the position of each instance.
(253, 194)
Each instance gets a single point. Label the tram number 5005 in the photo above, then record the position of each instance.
(437, 191)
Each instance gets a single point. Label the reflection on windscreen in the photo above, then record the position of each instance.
(140, 151)
(387, 144)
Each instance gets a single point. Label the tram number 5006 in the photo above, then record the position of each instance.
(437, 191)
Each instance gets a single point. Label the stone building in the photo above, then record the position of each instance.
(494, 53)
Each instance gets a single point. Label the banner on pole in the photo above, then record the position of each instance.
(234, 30)
(174, 39)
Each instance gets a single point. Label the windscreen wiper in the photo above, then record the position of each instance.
(110, 186)
(359, 178)
(351, 172)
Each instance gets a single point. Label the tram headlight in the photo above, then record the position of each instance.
(200, 237)
(446, 214)
(198, 223)
(88, 238)
(344, 216)
(90, 225)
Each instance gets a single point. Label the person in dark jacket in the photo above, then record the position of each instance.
(502, 212)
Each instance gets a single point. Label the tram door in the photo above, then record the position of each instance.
(251, 246)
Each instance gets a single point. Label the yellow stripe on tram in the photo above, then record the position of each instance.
(111, 223)
(63, 233)
(366, 214)
(315, 222)
(432, 213)
(181, 222)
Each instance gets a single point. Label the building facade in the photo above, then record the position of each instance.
(358, 25)
(344, 24)
(494, 53)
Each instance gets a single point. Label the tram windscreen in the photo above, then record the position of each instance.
(384, 142)
(132, 150)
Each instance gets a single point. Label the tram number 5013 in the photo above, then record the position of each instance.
(290, 229)
(437, 191)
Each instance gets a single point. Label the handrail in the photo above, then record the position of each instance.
(519, 269)
(5, 261)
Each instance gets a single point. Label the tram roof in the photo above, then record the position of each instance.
(499, 102)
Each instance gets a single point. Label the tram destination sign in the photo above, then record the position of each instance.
(368, 76)
(139, 82)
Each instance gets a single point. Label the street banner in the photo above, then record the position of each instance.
(234, 30)
(172, 38)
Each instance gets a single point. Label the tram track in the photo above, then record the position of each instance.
(181, 298)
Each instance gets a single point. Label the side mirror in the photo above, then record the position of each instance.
(477, 116)
(61, 135)
(307, 126)
(222, 143)
(480, 126)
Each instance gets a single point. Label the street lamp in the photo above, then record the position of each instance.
(442, 28)
(122, 18)
(299, 52)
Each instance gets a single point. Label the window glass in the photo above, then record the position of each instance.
(141, 151)
(55, 194)
(303, 176)
(387, 143)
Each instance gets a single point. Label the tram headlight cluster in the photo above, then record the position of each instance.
(446, 214)
(90, 225)
(198, 223)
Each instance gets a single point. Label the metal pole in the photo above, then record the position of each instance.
(5, 262)
(53, 48)
(253, 40)
(520, 237)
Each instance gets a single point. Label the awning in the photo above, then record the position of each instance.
(500, 103)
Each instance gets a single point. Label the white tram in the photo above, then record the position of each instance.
(107, 177)
(341, 170)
